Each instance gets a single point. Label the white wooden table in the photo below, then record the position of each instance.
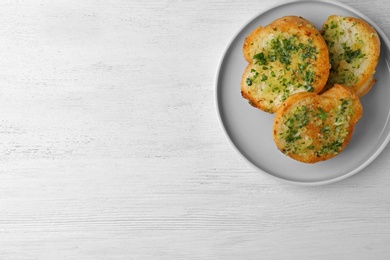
(111, 146)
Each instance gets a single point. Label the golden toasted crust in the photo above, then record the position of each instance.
(285, 57)
(354, 49)
(310, 128)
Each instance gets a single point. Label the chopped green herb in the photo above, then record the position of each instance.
(301, 67)
(344, 105)
(260, 58)
(272, 57)
(326, 27)
(322, 114)
(349, 54)
(309, 77)
(309, 88)
(248, 81)
(302, 117)
(335, 146)
(331, 147)
(325, 130)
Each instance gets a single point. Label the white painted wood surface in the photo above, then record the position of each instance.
(111, 146)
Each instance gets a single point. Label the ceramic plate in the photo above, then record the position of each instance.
(250, 129)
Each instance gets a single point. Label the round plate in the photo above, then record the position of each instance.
(250, 129)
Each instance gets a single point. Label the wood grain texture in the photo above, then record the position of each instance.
(111, 146)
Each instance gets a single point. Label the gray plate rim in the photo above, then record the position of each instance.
(384, 41)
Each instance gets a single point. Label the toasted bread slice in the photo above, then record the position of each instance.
(310, 127)
(354, 48)
(285, 57)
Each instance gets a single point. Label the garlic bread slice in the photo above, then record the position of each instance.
(354, 49)
(309, 127)
(287, 56)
